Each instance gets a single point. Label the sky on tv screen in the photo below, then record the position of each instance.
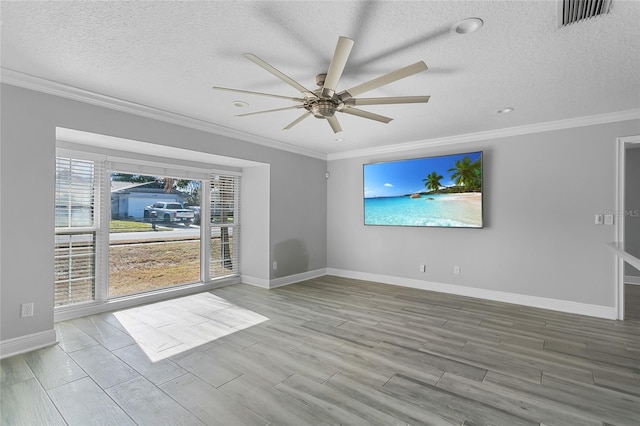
(397, 178)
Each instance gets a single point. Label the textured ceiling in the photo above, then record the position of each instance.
(167, 55)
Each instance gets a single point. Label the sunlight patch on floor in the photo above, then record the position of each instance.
(174, 326)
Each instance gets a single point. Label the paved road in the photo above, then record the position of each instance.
(178, 231)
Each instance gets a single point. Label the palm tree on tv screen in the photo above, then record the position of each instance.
(467, 174)
(432, 181)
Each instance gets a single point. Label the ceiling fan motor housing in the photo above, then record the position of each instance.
(321, 108)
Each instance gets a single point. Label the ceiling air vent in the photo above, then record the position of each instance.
(572, 11)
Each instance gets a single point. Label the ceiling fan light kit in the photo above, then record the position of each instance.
(324, 102)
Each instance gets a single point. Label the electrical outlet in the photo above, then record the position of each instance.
(599, 219)
(275, 265)
(26, 310)
(423, 267)
(456, 270)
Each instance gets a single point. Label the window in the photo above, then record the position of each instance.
(77, 224)
(90, 212)
(153, 244)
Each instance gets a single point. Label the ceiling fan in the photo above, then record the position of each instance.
(325, 102)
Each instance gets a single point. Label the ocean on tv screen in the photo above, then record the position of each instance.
(440, 210)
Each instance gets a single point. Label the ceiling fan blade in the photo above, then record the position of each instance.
(280, 75)
(338, 62)
(384, 80)
(386, 101)
(297, 120)
(269, 110)
(248, 92)
(366, 114)
(335, 125)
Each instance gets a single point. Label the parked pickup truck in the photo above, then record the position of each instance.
(169, 212)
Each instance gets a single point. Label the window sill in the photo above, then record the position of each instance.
(65, 313)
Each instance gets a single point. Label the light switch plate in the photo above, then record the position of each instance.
(608, 219)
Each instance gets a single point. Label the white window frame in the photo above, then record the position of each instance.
(98, 227)
(235, 225)
(109, 163)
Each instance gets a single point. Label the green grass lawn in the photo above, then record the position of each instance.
(131, 226)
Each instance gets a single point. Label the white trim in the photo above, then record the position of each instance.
(30, 342)
(151, 168)
(130, 150)
(631, 279)
(619, 230)
(498, 296)
(611, 117)
(619, 250)
(621, 146)
(71, 312)
(26, 81)
(101, 261)
(279, 282)
(254, 281)
(80, 155)
(296, 278)
(30, 82)
(205, 230)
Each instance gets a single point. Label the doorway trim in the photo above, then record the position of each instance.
(621, 149)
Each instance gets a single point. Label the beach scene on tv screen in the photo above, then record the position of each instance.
(444, 191)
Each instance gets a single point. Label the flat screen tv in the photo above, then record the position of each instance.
(443, 191)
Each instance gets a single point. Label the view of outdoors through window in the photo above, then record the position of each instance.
(154, 233)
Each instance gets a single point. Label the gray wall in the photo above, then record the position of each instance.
(541, 192)
(254, 233)
(297, 208)
(632, 204)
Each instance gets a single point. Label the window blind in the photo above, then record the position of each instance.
(225, 229)
(76, 221)
(75, 193)
(74, 268)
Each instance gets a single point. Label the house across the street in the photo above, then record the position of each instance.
(128, 199)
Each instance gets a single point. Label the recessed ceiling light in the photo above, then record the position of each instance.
(240, 104)
(504, 110)
(467, 26)
(339, 140)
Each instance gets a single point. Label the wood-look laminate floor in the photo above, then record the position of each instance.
(632, 301)
(329, 351)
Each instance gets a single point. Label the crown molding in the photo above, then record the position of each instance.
(633, 114)
(27, 81)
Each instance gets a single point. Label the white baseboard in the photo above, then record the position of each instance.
(292, 279)
(30, 342)
(256, 282)
(279, 282)
(630, 279)
(498, 296)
